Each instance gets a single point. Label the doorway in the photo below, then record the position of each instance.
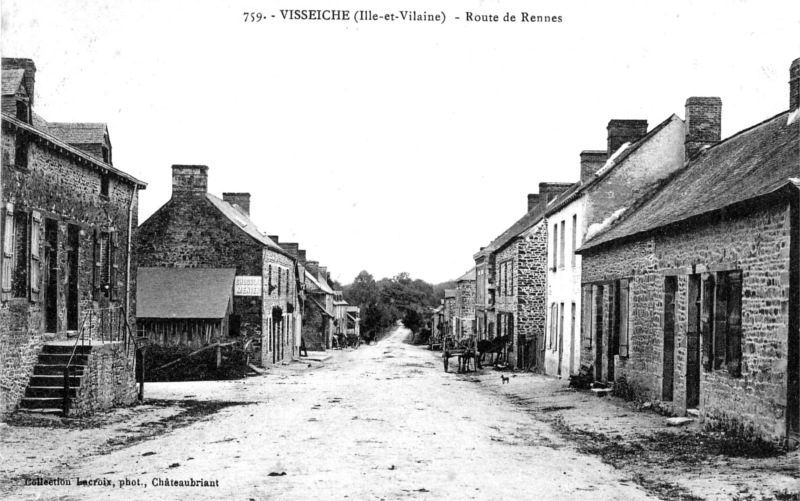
(693, 344)
(50, 276)
(73, 249)
(668, 368)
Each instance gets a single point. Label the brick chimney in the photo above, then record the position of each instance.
(323, 272)
(624, 131)
(312, 267)
(189, 179)
(13, 63)
(703, 123)
(549, 191)
(794, 85)
(301, 256)
(240, 199)
(591, 162)
(290, 248)
(533, 201)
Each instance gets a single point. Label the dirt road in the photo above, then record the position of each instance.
(380, 422)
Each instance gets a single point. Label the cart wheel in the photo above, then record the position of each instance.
(445, 363)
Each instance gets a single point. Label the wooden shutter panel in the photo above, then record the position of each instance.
(8, 251)
(720, 321)
(707, 321)
(113, 267)
(623, 317)
(98, 266)
(35, 252)
(734, 327)
(586, 325)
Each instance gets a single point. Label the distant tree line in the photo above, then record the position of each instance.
(388, 300)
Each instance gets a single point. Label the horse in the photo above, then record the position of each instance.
(494, 347)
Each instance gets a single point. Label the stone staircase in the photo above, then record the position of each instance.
(45, 391)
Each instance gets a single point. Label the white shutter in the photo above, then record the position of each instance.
(8, 250)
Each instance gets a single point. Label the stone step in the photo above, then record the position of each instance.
(61, 349)
(49, 391)
(48, 412)
(54, 380)
(62, 359)
(57, 369)
(41, 402)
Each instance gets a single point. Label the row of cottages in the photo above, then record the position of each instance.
(692, 295)
(510, 283)
(611, 179)
(66, 275)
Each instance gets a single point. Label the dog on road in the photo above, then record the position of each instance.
(504, 379)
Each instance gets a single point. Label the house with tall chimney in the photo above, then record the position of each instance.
(67, 216)
(611, 180)
(511, 304)
(196, 232)
(693, 292)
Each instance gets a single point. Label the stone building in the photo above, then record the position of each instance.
(449, 313)
(464, 317)
(693, 294)
(195, 229)
(514, 277)
(319, 324)
(67, 215)
(611, 180)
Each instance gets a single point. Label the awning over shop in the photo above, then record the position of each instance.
(184, 292)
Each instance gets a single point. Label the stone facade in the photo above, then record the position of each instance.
(757, 243)
(465, 307)
(108, 380)
(196, 229)
(66, 218)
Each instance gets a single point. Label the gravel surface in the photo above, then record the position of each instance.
(380, 422)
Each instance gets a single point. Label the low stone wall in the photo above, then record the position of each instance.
(109, 380)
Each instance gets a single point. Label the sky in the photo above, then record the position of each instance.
(390, 146)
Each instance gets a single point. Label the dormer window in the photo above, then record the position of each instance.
(105, 181)
(23, 111)
(106, 155)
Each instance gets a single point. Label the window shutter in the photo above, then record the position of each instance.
(587, 316)
(113, 267)
(8, 251)
(35, 251)
(707, 321)
(734, 345)
(623, 317)
(98, 266)
(720, 321)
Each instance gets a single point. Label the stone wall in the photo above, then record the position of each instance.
(756, 243)
(65, 191)
(507, 303)
(280, 291)
(531, 285)
(109, 380)
(465, 291)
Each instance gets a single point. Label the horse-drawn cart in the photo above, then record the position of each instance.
(463, 350)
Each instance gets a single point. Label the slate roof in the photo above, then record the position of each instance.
(79, 133)
(244, 222)
(321, 285)
(752, 163)
(321, 308)
(12, 79)
(468, 276)
(580, 188)
(527, 221)
(183, 292)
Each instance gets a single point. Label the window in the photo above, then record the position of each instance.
(105, 267)
(8, 251)
(574, 237)
(23, 111)
(19, 286)
(21, 153)
(104, 184)
(586, 325)
(106, 155)
(555, 247)
(561, 252)
(36, 226)
(722, 302)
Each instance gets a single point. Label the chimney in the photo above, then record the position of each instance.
(794, 85)
(703, 123)
(189, 179)
(591, 162)
(533, 201)
(301, 256)
(624, 131)
(274, 238)
(312, 267)
(13, 63)
(290, 248)
(549, 191)
(240, 199)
